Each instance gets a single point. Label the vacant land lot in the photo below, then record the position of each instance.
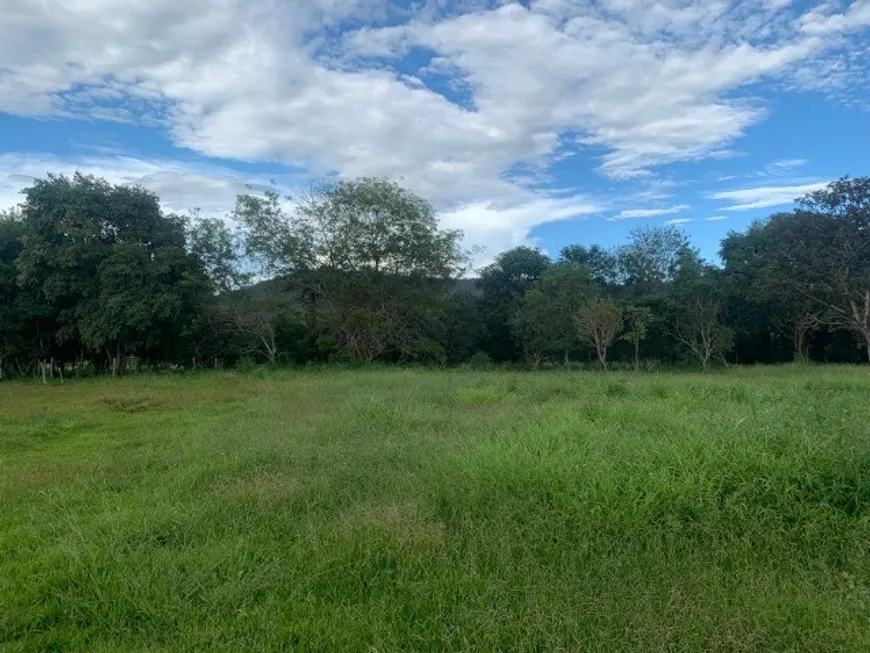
(432, 511)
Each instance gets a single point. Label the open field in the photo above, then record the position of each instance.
(433, 511)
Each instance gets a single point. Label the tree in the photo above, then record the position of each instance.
(466, 331)
(11, 327)
(544, 321)
(368, 250)
(603, 265)
(109, 266)
(258, 320)
(700, 331)
(637, 320)
(651, 258)
(598, 323)
(504, 284)
(534, 327)
(768, 272)
(218, 251)
(835, 222)
(568, 287)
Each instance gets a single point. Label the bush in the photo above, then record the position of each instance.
(480, 360)
(246, 364)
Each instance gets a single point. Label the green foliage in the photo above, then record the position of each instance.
(108, 267)
(359, 270)
(603, 265)
(437, 511)
(504, 284)
(480, 360)
(544, 322)
(218, 252)
(371, 255)
(637, 321)
(598, 321)
(699, 329)
(652, 258)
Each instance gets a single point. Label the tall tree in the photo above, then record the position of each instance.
(701, 332)
(12, 335)
(111, 266)
(371, 252)
(603, 265)
(651, 258)
(836, 221)
(598, 322)
(534, 327)
(219, 252)
(768, 271)
(637, 321)
(504, 284)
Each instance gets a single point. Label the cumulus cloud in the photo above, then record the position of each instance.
(327, 85)
(762, 197)
(496, 228)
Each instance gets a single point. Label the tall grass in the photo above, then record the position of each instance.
(428, 511)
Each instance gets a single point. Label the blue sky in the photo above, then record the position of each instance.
(547, 121)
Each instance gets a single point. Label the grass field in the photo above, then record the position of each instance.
(437, 511)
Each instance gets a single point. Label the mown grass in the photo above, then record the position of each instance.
(433, 511)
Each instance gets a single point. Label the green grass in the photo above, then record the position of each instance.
(438, 511)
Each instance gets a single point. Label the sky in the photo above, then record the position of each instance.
(543, 122)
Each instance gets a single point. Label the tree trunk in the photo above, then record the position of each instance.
(799, 340)
(637, 355)
(567, 358)
(602, 356)
(861, 320)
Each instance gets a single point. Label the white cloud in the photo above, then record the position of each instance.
(649, 213)
(787, 164)
(213, 190)
(716, 218)
(762, 197)
(820, 21)
(677, 221)
(180, 188)
(500, 228)
(781, 167)
(637, 83)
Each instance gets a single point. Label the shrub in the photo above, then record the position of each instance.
(480, 360)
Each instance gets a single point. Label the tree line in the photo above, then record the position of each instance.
(95, 277)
